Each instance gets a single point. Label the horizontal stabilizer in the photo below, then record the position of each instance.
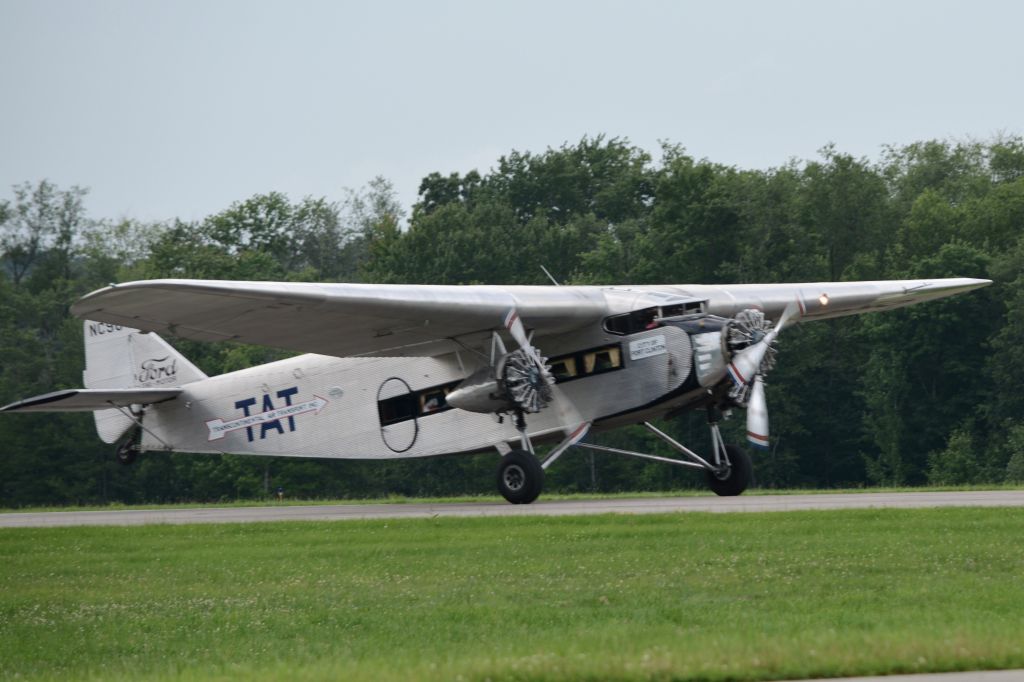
(89, 399)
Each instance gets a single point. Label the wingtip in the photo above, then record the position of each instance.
(970, 283)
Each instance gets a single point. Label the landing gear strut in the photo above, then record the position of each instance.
(728, 472)
(128, 448)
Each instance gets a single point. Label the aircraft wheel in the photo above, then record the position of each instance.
(737, 478)
(520, 477)
(128, 450)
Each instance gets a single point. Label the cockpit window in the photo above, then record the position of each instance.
(631, 323)
(649, 318)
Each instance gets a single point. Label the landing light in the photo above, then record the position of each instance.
(823, 299)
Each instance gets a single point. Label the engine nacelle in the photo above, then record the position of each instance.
(710, 352)
(480, 392)
(517, 384)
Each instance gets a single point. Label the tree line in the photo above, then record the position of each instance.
(929, 394)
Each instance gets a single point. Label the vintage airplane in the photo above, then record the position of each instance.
(394, 371)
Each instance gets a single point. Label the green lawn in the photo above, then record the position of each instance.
(684, 596)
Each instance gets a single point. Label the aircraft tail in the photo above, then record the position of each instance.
(119, 357)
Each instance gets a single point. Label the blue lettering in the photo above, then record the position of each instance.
(268, 405)
(244, 405)
(287, 395)
(266, 426)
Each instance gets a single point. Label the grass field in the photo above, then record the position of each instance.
(660, 597)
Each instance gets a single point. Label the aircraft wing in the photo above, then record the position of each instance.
(348, 320)
(339, 319)
(825, 300)
(89, 399)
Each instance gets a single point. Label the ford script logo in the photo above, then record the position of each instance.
(157, 371)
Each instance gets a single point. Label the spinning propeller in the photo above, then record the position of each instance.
(518, 381)
(530, 383)
(755, 338)
(527, 376)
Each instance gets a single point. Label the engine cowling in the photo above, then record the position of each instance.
(516, 383)
(716, 340)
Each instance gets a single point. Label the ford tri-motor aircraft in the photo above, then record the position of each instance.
(395, 371)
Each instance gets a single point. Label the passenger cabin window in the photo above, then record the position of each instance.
(602, 360)
(415, 404)
(397, 409)
(563, 368)
(433, 400)
(586, 363)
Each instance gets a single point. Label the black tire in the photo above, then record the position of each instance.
(128, 449)
(737, 478)
(520, 477)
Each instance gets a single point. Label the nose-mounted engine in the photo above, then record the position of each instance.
(742, 349)
(718, 340)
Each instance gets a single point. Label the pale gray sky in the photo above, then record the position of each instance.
(178, 108)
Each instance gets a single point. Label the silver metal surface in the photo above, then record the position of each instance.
(647, 505)
(709, 357)
(404, 319)
(91, 399)
(328, 406)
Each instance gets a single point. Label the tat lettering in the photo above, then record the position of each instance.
(279, 418)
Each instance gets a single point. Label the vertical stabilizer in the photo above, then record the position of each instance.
(122, 357)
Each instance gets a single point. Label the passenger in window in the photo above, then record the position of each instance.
(432, 402)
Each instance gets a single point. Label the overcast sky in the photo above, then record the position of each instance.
(176, 109)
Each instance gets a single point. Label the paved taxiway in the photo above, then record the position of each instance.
(648, 505)
(980, 676)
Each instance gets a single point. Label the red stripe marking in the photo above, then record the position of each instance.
(578, 430)
(743, 379)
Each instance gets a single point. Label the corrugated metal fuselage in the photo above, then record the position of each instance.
(381, 408)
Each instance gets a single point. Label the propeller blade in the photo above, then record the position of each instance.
(573, 424)
(757, 415)
(792, 309)
(568, 414)
(747, 362)
(746, 365)
(515, 327)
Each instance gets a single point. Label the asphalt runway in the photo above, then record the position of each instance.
(649, 505)
(978, 676)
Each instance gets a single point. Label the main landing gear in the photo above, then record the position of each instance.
(733, 478)
(729, 471)
(128, 448)
(520, 477)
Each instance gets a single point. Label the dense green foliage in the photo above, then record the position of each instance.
(659, 597)
(927, 394)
